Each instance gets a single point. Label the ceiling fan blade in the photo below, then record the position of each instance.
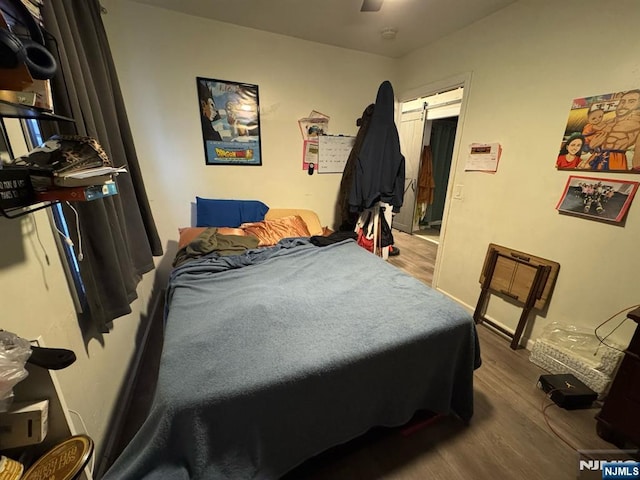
(371, 5)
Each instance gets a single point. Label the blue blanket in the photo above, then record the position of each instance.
(276, 355)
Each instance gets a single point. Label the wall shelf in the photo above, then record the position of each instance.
(22, 211)
(16, 110)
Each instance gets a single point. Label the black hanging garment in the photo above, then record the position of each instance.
(379, 170)
(345, 218)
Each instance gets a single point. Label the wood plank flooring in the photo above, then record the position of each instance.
(417, 256)
(508, 437)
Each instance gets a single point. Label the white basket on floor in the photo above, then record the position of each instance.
(567, 349)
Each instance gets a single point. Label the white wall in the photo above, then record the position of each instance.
(294, 77)
(528, 62)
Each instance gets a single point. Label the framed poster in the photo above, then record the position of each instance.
(602, 134)
(230, 118)
(597, 198)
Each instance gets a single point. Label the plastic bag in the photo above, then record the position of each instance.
(583, 343)
(14, 353)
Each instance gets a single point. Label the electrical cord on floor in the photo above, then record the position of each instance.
(84, 426)
(544, 408)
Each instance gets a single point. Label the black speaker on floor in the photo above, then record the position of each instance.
(567, 391)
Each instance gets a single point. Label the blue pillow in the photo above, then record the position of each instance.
(228, 213)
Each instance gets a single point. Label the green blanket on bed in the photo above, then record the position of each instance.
(212, 241)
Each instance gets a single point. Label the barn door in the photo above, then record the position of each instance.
(410, 133)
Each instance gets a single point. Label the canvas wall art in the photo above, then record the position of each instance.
(602, 134)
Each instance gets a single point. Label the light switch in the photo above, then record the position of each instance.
(457, 192)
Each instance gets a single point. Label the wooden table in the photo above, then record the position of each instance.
(524, 278)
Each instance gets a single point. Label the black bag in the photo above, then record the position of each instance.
(386, 236)
(363, 240)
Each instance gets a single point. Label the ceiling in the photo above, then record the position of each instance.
(341, 23)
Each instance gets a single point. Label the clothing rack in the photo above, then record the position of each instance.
(374, 228)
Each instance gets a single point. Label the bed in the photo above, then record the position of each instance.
(279, 353)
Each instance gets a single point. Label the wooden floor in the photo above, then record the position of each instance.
(417, 256)
(507, 438)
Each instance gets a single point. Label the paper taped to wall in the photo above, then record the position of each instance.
(333, 152)
(483, 157)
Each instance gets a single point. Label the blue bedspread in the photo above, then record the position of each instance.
(276, 355)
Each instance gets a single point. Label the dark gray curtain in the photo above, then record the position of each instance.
(118, 234)
(443, 136)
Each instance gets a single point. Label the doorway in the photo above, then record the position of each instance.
(428, 126)
(441, 143)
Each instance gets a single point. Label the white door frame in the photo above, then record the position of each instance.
(462, 80)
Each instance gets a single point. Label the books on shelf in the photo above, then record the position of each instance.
(93, 172)
(41, 181)
(77, 194)
(79, 178)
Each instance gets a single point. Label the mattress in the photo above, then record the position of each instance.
(275, 355)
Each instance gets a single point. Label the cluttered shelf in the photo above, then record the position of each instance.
(18, 196)
(68, 168)
(64, 168)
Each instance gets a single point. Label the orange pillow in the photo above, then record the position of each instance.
(188, 234)
(309, 217)
(270, 232)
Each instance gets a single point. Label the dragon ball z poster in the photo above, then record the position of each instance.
(229, 115)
